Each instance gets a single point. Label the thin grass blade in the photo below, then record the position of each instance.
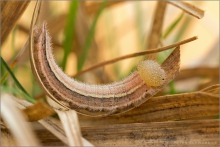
(69, 31)
(89, 38)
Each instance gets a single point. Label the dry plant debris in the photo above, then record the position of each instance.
(17, 122)
(156, 118)
(188, 8)
(38, 111)
(173, 133)
(11, 11)
(155, 34)
(166, 108)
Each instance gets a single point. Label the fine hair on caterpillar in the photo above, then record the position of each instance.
(151, 72)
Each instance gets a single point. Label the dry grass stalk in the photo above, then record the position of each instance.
(51, 124)
(70, 123)
(17, 123)
(56, 128)
(176, 133)
(135, 55)
(6, 137)
(11, 11)
(214, 89)
(155, 34)
(71, 126)
(209, 82)
(198, 72)
(188, 8)
(20, 55)
(93, 7)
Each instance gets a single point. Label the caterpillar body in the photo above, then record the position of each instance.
(151, 72)
(96, 100)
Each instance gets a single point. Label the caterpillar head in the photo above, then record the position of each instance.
(151, 72)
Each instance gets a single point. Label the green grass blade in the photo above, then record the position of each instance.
(14, 78)
(172, 26)
(3, 78)
(69, 31)
(183, 27)
(4, 75)
(89, 39)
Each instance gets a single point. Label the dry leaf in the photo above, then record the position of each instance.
(166, 108)
(48, 139)
(214, 89)
(177, 133)
(38, 111)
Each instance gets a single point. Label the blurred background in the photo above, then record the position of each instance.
(86, 33)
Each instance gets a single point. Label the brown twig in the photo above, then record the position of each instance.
(137, 54)
(154, 37)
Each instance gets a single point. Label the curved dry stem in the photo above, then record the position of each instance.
(150, 51)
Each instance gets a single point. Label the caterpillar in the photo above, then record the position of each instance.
(96, 100)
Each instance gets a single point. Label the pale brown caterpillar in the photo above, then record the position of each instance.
(151, 72)
(95, 100)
